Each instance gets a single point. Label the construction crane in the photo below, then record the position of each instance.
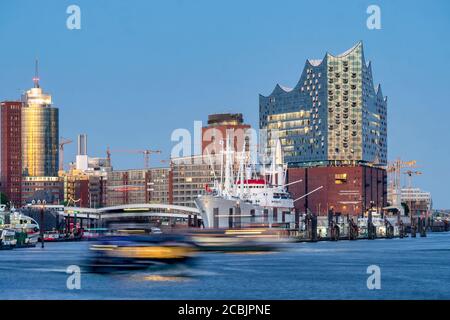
(146, 153)
(166, 162)
(62, 143)
(394, 169)
(410, 173)
(108, 155)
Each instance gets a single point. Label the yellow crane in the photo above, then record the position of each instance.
(394, 169)
(410, 173)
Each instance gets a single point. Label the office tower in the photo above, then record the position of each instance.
(40, 133)
(82, 144)
(11, 150)
(82, 158)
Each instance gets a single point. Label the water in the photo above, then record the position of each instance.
(410, 269)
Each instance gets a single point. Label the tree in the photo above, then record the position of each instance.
(3, 198)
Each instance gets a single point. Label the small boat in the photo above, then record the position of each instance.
(22, 225)
(7, 239)
(135, 252)
(52, 236)
(239, 240)
(94, 233)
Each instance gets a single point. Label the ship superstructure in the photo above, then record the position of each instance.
(242, 196)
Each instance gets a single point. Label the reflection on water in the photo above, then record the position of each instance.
(156, 277)
(251, 252)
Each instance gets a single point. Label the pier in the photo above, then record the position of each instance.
(313, 228)
(74, 223)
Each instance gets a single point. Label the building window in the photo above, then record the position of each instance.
(340, 178)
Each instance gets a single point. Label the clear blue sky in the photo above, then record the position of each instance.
(137, 70)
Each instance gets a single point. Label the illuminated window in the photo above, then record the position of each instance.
(340, 178)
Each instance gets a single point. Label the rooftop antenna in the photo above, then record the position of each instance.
(36, 74)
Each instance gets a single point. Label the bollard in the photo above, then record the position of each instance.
(314, 228)
(423, 230)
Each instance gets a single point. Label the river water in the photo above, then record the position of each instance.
(411, 268)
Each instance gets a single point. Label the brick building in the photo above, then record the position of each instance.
(348, 190)
(11, 150)
(214, 135)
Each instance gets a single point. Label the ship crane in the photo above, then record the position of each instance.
(62, 143)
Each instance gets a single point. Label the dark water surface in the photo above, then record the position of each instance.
(410, 269)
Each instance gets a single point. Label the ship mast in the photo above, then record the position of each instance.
(228, 172)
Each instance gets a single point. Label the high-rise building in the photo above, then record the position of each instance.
(82, 144)
(334, 115)
(195, 175)
(40, 133)
(82, 159)
(11, 150)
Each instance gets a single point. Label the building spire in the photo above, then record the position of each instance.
(36, 74)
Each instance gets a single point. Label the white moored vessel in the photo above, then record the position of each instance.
(246, 198)
(20, 223)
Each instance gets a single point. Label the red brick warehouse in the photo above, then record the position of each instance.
(347, 189)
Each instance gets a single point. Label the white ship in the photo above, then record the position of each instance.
(245, 198)
(20, 223)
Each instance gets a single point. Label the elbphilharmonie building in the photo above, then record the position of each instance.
(333, 116)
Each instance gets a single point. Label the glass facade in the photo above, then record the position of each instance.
(333, 115)
(40, 136)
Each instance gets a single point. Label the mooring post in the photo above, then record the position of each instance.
(370, 227)
(314, 228)
(330, 232)
(423, 229)
(413, 227)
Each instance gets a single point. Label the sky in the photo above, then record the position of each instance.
(137, 70)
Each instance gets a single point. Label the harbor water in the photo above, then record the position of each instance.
(411, 268)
